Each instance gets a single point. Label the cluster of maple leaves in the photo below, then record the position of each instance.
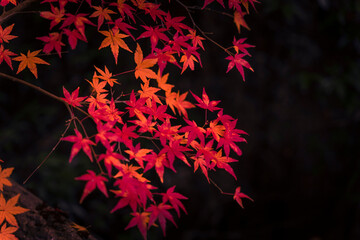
(8, 208)
(128, 122)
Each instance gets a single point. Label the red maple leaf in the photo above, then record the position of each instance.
(78, 20)
(161, 213)
(53, 41)
(5, 54)
(239, 45)
(73, 36)
(155, 34)
(140, 220)
(239, 195)
(79, 143)
(73, 99)
(93, 181)
(205, 102)
(56, 15)
(174, 199)
(239, 62)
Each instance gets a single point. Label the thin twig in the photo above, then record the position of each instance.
(52, 150)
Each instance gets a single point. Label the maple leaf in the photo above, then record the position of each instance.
(207, 2)
(159, 161)
(73, 36)
(111, 158)
(98, 86)
(124, 9)
(215, 129)
(79, 143)
(155, 34)
(5, 54)
(231, 135)
(140, 220)
(73, 99)
(196, 39)
(149, 93)
(166, 131)
(239, 62)
(5, 34)
(102, 14)
(194, 131)
(8, 209)
(30, 60)
(3, 3)
(4, 174)
(240, 21)
(200, 161)
(138, 154)
(53, 41)
(142, 65)
(239, 195)
(79, 228)
(135, 105)
(175, 149)
(154, 11)
(174, 199)
(56, 15)
(182, 105)
(223, 162)
(246, 4)
(78, 20)
(188, 62)
(114, 40)
(164, 56)
(119, 23)
(94, 181)
(175, 23)
(6, 232)
(205, 102)
(239, 45)
(161, 81)
(106, 76)
(160, 212)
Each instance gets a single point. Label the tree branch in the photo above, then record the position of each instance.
(16, 9)
(39, 89)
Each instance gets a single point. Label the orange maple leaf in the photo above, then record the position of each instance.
(30, 60)
(142, 66)
(239, 20)
(6, 232)
(4, 174)
(106, 76)
(114, 40)
(5, 34)
(102, 14)
(8, 209)
(149, 93)
(161, 81)
(182, 105)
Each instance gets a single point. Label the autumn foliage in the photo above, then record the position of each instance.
(155, 115)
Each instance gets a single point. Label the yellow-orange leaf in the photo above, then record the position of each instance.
(8, 209)
(30, 60)
(4, 174)
(114, 40)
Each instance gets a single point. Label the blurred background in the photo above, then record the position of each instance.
(301, 108)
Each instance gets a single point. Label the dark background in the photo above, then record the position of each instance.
(300, 108)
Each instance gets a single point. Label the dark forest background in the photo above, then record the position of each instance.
(301, 108)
